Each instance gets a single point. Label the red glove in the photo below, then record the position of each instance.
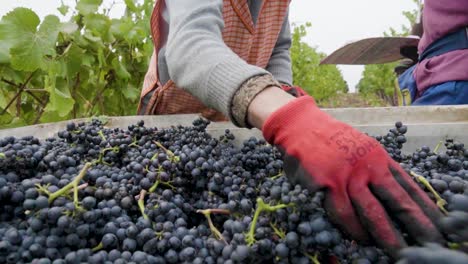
(363, 185)
(295, 91)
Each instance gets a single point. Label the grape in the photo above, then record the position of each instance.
(432, 253)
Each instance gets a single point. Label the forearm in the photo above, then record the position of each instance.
(198, 59)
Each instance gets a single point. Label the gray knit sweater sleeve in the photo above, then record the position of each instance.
(280, 61)
(197, 58)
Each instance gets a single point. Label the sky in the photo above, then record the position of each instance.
(334, 22)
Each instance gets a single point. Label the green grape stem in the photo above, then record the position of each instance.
(159, 182)
(69, 186)
(261, 206)
(103, 152)
(457, 246)
(154, 187)
(277, 176)
(280, 233)
(141, 204)
(436, 149)
(214, 230)
(101, 134)
(172, 156)
(134, 143)
(43, 189)
(98, 247)
(314, 258)
(441, 203)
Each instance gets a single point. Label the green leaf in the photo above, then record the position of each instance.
(73, 60)
(12, 122)
(101, 58)
(121, 27)
(322, 82)
(24, 21)
(13, 27)
(60, 99)
(120, 69)
(99, 25)
(90, 37)
(130, 92)
(50, 116)
(28, 54)
(4, 52)
(88, 60)
(76, 62)
(86, 7)
(131, 5)
(69, 27)
(3, 99)
(63, 9)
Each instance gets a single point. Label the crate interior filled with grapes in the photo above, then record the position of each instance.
(165, 189)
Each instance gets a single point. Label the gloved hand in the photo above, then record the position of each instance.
(363, 185)
(295, 91)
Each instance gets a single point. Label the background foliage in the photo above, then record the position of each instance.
(322, 82)
(379, 79)
(91, 65)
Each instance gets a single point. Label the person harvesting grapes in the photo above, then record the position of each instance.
(439, 75)
(230, 60)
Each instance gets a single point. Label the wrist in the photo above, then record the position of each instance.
(246, 94)
(266, 103)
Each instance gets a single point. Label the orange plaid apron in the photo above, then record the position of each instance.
(254, 43)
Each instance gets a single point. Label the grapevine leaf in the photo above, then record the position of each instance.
(131, 5)
(114, 102)
(30, 51)
(4, 48)
(99, 25)
(15, 122)
(6, 118)
(90, 37)
(86, 7)
(76, 62)
(63, 9)
(128, 30)
(69, 27)
(3, 99)
(101, 58)
(130, 92)
(4, 52)
(60, 99)
(120, 69)
(121, 27)
(73, 60)
(50, 116)
(14, 26)
(87, 60)
(136, 34)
